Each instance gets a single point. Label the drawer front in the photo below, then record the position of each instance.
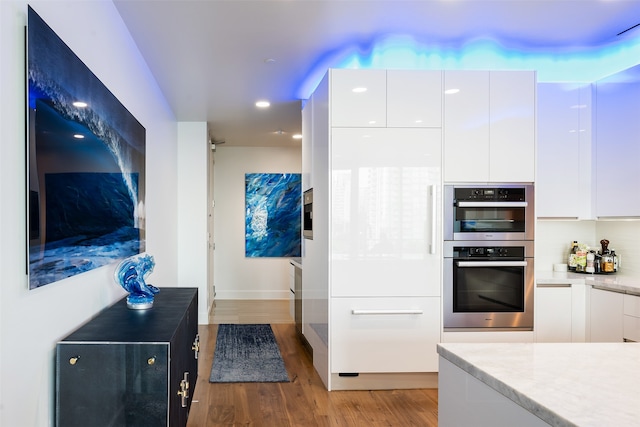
(384, 335)
(631, 329)
(632, 305)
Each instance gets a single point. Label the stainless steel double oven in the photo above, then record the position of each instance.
(488, 257)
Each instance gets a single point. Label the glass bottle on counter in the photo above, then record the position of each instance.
(607, 265)
(572, 261)
(590, 268)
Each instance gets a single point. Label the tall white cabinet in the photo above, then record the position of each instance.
(381, 134)
(564, 151)
(618, 145)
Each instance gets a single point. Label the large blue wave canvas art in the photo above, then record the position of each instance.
(86, 165)
(273, 214)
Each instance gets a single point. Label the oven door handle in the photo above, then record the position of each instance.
(492, 263)
(492, 204)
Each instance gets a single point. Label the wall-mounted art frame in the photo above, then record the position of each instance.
(85, 165)
(273, 209)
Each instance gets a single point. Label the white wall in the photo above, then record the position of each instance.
(237, 277)
(31, 322)
(193, 173)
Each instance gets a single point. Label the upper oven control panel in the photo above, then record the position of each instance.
(489, 194)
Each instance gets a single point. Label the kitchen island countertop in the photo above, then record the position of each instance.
(564, 384)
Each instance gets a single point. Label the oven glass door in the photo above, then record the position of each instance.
(490, 217)
(489, 286)
(488, 294)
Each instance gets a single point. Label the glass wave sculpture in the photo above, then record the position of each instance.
(131, 274)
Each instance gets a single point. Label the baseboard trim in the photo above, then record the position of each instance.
(252, 295)
(385, 381)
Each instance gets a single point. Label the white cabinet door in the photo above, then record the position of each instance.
(632, 318)
(358, 98)
(385, 334)
(563, 179)
(606, 316)
(414, 98)
(466, 126)
(618, 146)
(561, 314)
(512, 129)
(489, 126)
(553, 313)
(385, 212)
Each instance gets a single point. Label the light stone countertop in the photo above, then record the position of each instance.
(612, 282)
(564, 384)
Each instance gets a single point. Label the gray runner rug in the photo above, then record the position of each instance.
(247, 353)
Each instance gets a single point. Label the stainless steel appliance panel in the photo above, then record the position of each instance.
(307, 218)
(489, 212)
(488, 285)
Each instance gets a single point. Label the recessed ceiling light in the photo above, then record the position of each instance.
(263, 104)
(80, 104)
(297, 136)
(359, 89)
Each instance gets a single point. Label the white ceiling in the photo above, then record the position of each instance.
(209, 56)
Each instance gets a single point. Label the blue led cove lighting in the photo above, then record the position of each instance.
(405, 52)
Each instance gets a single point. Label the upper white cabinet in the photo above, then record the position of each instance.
(563, 178)
(466, 126)
(489, 126)
(381, 98)
(618, 145)
(358, 98)
(512, 130)
(414, 98)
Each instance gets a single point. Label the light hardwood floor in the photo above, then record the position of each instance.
(302, 402)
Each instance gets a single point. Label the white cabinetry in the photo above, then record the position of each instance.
(605, 316)
(618, 145)
(560, 312)
(292, 293)
(489, 126)
(414, 98)
(379, 335)
(563, 179)
(512, 129)
(384, 212)
(631, 328)
(385, 251)
(466, 126)
(358, 98)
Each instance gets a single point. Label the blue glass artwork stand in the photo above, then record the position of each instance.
(131, 274)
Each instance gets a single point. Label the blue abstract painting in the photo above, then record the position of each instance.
(273, 214)
(86, 165)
